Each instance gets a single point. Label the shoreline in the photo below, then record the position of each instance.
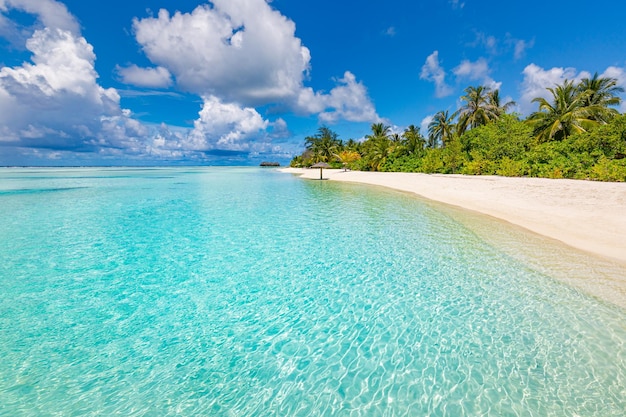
(588, 217)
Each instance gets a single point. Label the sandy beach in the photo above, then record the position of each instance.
(585, 215)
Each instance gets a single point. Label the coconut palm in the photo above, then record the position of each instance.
(379, 130)
(413, 140)
(441, 129)
(324, 145)
(494, 100)
(598, 94)
(379, 150)
(378, 146)
(477, 110)
(564, 116)
(353, 145)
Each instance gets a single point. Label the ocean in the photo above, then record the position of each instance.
(237, 291)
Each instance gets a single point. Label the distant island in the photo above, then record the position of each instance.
(269, 164)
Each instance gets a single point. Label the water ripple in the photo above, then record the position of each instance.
(249, 293)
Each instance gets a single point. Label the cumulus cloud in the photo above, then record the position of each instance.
(432, 71)
(245, 52)
(476, 71)
(50, 13)
(234, 54)
(53, 107)
(55, 101)
(280, 129)
(537, 79)
(225, 126)
(158, 77)
(240, 50)
(348, 101)
(472, 70)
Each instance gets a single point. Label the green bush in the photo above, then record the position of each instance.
(511, 168)
(405, 163)
(453, 157)
(477, 164)
(433, 161)
(508, 137)
(609, 170)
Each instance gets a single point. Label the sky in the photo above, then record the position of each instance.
(237, 82)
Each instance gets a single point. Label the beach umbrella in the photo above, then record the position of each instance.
(321, 166)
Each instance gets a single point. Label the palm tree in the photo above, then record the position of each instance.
(353, 145)
(477, 110)
(378, 152)
(378, 145)
(413, 140)
(598, 94)
(379, 130)
(493, 98)
(441, 129)
(565, 115)
(324, 144)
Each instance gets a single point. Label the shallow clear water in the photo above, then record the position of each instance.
(247, 292)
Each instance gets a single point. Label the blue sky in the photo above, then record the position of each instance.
(158, 82)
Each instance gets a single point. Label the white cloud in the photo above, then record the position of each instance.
(432, 71)
(239, 50)
(348, 101)
(520, 47)
(53, 106)
(489, 42)
(158, 77)
(51, 13)
(280, 129)
(235, 55)
(225, 126)
(495, 46)
(537, 79)
(476, 71)
(620, 75)
(472, 70)
(424, 124)
(57, 94)
(245, 52)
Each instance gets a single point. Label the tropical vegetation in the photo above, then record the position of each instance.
(575, 133)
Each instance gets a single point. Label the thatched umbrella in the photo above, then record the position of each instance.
(321, 166)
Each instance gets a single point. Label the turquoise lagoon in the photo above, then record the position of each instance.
(248, 292)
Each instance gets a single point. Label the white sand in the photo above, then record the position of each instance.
(586, 215)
